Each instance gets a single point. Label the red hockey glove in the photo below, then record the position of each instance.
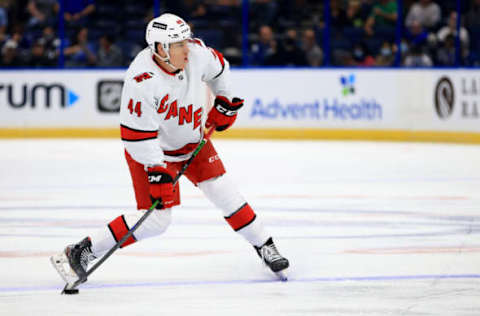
(223, 113)
(161, 186)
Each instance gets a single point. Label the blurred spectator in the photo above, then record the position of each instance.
(38, 58)
(10, 56)
(265, 47)
(263, 11)
(386, 55)
(199, 12)
(472, 18)
(404, 48)
(43, 13)
(3, 21)
(109, 54)
(17, 12)
(451, 29)
(361, 56)
(51, 45)
(341, 57)
(472, 22)
(23, 42)
(383, 15)
(446, 52)
(425, 12)
(355, 14)
(338, 18)
(81, 52)
(311, 50)
(417, 58)
(416, 34)
(77, 12)
(289, 52)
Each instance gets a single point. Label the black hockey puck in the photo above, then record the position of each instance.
(70, 291)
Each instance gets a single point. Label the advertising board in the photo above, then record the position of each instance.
(318, 99)
(388, 104)
(32, 99)
(455, 101)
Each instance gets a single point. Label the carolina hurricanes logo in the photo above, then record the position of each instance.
(184, 114)
(143, 76)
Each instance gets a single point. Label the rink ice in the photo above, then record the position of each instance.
(369, 228)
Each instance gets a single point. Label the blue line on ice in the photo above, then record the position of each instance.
(230, 282)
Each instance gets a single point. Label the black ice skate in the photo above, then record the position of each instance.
(273, 259)
(72, 263)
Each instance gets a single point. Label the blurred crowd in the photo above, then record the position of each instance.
(426, 33)
(303, 33)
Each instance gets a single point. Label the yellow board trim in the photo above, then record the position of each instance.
(60, 132)
(344, 134)
(249, 133)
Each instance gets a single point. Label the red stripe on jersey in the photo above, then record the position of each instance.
(134, 135)
(188, 148)
(241, 218)
(219, 55)
(196, 41)
(118, 227)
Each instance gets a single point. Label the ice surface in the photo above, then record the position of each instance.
(369, 228)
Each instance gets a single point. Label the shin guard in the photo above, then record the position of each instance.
(119, 228)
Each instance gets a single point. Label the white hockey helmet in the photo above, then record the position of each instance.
(165, 30)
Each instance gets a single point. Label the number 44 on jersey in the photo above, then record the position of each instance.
(185, 115)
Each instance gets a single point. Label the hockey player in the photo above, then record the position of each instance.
(161, 125)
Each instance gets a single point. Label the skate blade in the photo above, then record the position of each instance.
(60, 263)
(282, 275)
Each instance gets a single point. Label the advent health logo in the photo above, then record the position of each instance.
(348, 105)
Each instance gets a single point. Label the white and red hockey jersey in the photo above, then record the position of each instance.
(161, 112)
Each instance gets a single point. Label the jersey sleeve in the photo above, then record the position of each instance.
(216, 72)
(139, 124)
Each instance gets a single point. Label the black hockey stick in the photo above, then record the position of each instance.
(141, 220)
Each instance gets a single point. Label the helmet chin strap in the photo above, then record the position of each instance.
(164, 59)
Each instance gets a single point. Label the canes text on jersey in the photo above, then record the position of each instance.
(184, 114)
